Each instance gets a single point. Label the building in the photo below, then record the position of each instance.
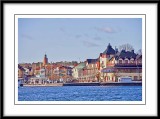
(123, 64)
(21, 71)
(104, 58)
(90, 71)
(108, 67)
(45, 60)
(76, 69)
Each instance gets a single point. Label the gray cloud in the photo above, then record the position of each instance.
(118, 29)
(62, 29)
(28, 37)
(90, 44)
(110, 37)
(86, 35)
(78, 36)
(97, 38)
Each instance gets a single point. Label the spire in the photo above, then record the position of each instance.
(45, 55)
(109, 50)
(45, 60)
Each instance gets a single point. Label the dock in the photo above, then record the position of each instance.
(44, 85)
(88, 84)
(121, 84)
(81, 84)
(105, 84)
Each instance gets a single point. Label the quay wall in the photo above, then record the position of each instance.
(81, 84)
(88, 84)
(53, 84)
(121, 84)
(104, 84)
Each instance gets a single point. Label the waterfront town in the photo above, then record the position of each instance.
(107, 67)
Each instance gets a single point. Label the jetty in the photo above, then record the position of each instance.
(138, 83)
(81, 84)
(44, 85)
(86, 84)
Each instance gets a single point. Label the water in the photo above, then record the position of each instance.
(81, 93)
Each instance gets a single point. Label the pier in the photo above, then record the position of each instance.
(104, 84)
(134, 83)
(81, 84)
(43, 85)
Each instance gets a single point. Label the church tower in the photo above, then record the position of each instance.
(45, 60)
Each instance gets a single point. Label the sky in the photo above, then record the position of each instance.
(74, 39)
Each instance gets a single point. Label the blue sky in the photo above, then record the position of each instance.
(74, 39)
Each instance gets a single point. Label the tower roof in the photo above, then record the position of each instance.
(45, 55)
(109, 50)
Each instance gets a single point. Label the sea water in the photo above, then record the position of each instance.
(80, 93)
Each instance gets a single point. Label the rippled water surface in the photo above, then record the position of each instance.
(81, 93)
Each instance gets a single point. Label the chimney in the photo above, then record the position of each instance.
(132, 51)
(123, 51)
(116, 50)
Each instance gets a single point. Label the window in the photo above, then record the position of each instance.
(126, 61)
(102, 65)
(132, 61)
(108, 78)
(120, 61)
(140, 77)
(140, 61)
(135, 77)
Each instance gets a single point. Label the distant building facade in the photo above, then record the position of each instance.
(108, 67)
(76, 70)
(45, 60)
(122, 64)
(104, 58)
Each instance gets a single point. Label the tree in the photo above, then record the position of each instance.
(126, 47)
(139, 51)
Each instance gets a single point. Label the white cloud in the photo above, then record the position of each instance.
(106, 29)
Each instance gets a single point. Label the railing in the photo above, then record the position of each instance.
(125, 64)
(128, 64)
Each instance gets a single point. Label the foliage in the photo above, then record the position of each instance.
(126, 47)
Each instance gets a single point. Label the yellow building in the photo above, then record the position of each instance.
(104, 59)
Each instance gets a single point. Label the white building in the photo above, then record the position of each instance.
(76, 69)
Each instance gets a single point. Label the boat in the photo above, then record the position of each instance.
(125, 79)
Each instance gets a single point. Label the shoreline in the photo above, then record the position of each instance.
(86, 84)
(43, 85)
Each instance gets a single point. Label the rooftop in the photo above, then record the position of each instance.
(92, 60)
(109, 50)
(126, 54)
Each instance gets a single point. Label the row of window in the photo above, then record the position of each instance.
(128, 70)
(129, 61)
